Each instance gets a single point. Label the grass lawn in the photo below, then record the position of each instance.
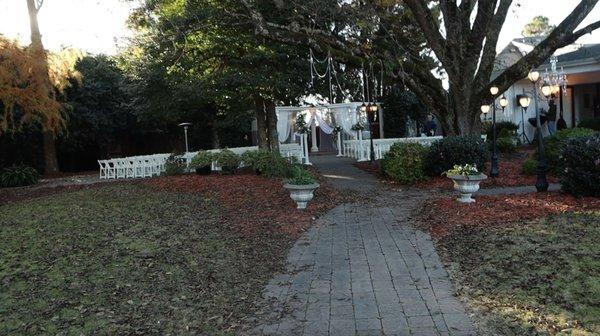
(534, 277)
(128, 259)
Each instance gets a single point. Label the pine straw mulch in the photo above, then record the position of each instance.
(255, 203)
(445, 216)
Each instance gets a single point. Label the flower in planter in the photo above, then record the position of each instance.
(462, 170)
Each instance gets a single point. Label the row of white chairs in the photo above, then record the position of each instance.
(133, 167)
(154, 165)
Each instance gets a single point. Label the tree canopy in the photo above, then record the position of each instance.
(539, 26)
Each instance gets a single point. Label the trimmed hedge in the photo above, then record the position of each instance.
(590, 123)
(268, 163)
(504, 129)
(530, 166)
(554, 144)
(404, 162)
(505, 145)
(456, 150)
(174, 165)
(580, 166)
(18, 176)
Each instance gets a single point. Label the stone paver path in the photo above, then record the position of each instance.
(362, 269)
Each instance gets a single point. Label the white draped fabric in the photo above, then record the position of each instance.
(325, 127)
(284, 126)
(346, 118)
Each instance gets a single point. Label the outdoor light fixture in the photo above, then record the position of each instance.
(485, 108)
(541, 183)
(533, 76)
(524, 102)
(373, 108)
(185, 126)
(503, 103)
(494, 90)
(494, 170)
(363, 107)
(546, 89)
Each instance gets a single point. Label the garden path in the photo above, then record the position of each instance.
(363, 269)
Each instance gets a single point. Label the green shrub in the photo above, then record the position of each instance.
(18, 176)
(590, 123)
(456, 150)
(580, 166)
(228, 161)
(404, 162)
(529, 166)
(268, 163)
(202, 159)
(175, 165)
(300, 176)
(554, 144)
(504, 129)
(505, 145)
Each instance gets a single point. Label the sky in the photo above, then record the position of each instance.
(98, 26)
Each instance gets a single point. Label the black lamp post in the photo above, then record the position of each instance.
(494, 171)
(524, 102)
(370, 109)
(541, 183)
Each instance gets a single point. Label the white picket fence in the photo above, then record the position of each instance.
(154, 165)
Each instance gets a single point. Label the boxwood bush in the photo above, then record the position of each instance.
(504, 129)
(580, 166)
(456, 150)
(175, 165)
(18, 176)
(228, 161)
(267, 163)
(554, 144)
(590, 123)
(504, 145)
(404, 162)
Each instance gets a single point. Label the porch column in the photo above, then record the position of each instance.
(313, 130)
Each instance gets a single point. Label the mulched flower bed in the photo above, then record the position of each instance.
(255, 203)
(445, 215)
(511, 175)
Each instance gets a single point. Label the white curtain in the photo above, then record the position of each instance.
(345, 117)
(284, 126)
(325, 127)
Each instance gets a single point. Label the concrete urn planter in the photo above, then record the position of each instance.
(301, 194)
(467, 185)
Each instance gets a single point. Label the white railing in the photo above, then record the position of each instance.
(154, 165)
(361, 149)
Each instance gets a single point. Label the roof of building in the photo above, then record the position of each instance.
(584, 52)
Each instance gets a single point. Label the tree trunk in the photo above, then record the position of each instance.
(261, 122)
(272, 134)
(50, 158)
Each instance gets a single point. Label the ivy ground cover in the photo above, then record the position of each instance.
(141, 258)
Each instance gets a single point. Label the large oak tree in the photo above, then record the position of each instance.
(461, 37)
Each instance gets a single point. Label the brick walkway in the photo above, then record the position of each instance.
(362, 269)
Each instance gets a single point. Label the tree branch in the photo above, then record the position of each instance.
(427, 22)
(559, 38)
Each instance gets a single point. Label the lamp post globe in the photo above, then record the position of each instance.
(533, 76)
(503, 102)
(494, 90)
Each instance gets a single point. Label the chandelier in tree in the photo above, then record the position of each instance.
(554, 80)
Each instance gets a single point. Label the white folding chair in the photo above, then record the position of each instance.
(103, 169)
(120, 168)
(111, 169)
